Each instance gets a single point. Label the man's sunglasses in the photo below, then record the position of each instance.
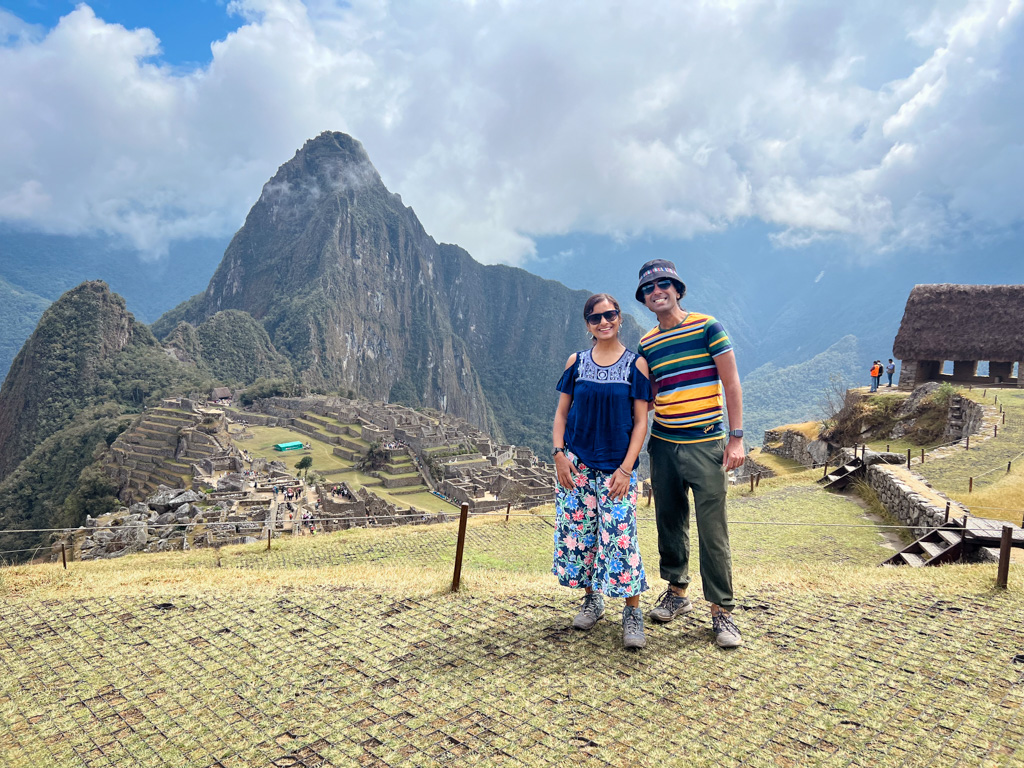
(648, 288)
(596, 317)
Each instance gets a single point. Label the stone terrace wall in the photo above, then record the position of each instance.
(905, 504)
(796, 447)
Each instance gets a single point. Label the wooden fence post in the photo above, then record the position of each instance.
(63, 557)
(970, 485)
(968, 446)
(269, 534)
(508, 508)
(908, 458)
(751, 482)
(947, 514)
(463, 518)
(826, 470)
(1003, 572)
(922, 455)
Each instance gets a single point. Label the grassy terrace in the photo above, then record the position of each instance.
(346, 650)
(997, 494)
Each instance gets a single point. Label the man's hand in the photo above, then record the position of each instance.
(734, 455)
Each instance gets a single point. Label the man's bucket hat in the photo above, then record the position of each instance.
(656, 269)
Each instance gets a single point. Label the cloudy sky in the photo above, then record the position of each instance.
(887, 125)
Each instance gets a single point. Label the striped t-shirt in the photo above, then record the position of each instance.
(688, 404)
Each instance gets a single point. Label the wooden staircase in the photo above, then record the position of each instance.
(843, 476)
(937, 547)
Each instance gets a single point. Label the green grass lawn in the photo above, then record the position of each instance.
(265, 438)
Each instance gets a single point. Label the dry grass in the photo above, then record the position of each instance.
(348, 649)
(809, 429)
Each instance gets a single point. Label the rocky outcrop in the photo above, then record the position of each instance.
(796, 446)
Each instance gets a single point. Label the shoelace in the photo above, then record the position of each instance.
(666, 596)
(633, 623)
(590, 604)
(722, 622)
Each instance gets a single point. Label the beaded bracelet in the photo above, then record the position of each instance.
(620, 469)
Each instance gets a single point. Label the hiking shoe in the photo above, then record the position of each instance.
(633, 628)
(591, 610)
(727, 634)
(670, 605)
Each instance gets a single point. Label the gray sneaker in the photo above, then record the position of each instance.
(591, 610)
(727, 635)
(633, 628)
(669, 606)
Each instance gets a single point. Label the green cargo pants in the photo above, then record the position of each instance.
(676, 469)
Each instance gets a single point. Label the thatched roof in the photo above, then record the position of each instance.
(220, 393)
(962, 322)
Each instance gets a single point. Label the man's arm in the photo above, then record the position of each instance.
(734, 453)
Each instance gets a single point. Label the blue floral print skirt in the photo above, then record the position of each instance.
(595, 538)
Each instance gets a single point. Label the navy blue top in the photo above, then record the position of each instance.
(600, 420)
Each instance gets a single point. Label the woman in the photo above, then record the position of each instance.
(599, 428)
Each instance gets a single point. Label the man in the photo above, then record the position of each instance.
(890, 369)
(691, 360)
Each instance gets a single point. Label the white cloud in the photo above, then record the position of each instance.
(890, 124)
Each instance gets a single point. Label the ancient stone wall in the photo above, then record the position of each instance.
(795, 446)
(906, 505)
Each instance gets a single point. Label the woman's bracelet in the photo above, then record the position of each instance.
(620, 469)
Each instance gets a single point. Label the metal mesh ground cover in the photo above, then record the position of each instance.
(338, 677)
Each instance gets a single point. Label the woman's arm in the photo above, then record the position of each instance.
(563, 467)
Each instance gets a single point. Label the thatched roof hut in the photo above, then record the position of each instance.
(962, 322)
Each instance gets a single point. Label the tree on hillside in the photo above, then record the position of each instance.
(304, 464)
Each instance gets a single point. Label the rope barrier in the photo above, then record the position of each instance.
(645, 518)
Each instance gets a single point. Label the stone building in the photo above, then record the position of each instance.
(964, 324)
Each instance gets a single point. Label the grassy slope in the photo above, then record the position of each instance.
(346, 649)
(997, 494)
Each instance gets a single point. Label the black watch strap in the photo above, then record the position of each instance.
(556, 451)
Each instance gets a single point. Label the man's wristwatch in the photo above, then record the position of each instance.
(556, 451)
(736, 433)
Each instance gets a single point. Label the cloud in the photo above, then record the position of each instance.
(887, 124)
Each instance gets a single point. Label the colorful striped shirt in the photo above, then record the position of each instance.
(688, 403)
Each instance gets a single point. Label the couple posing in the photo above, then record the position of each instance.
(682, 365)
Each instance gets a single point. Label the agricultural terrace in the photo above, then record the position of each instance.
(339, 470)
(348, 650)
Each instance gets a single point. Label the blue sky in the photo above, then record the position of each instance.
(868, 129)
(185, 27)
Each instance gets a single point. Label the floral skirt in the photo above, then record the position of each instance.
(595, 537)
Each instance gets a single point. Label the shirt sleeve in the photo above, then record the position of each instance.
(567, 383)
(639, 385)
(715, 338)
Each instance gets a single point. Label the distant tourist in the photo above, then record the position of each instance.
(876, 375)
(890, 369)
(692, 360)
(599, 429)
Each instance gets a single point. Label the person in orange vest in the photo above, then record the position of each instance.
(876, 375)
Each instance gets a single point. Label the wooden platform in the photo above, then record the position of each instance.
(986, 530)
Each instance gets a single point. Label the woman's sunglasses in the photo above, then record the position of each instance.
(648, 288)
(596, 317)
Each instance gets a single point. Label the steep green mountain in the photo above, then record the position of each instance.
(774, 396)
(87, 350)
(57, 484)
(20, 310)
(357, 296)
(231, 347)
